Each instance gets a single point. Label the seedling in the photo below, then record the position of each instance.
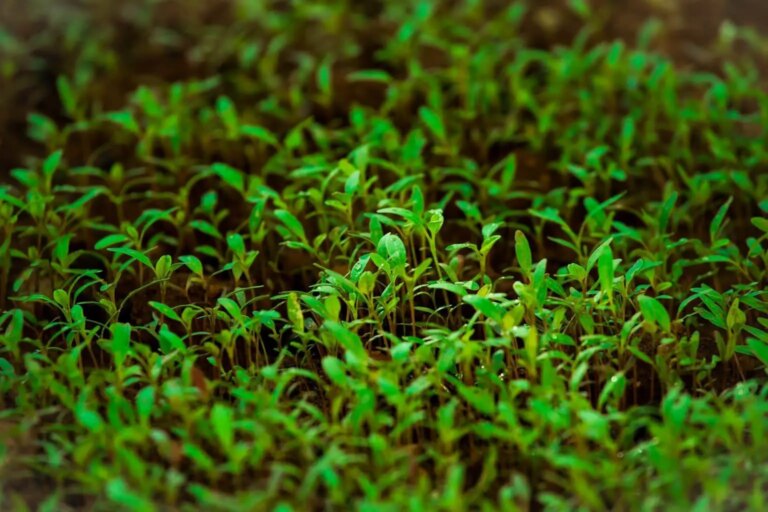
(381, 255)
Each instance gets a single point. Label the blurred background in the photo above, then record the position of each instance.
(107, 48)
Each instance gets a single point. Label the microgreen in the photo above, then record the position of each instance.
(467, 255)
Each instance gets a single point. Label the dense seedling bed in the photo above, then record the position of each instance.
(403, 255)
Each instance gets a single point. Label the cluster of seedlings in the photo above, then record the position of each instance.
(403, 255)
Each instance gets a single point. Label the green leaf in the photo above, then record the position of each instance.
(193, 263)
(627, 134)
(352, 185)
(435, 221)
(121, 342)
(201, 459)
(595, 256)
(228, 114)
(336, 370)
(577, 271)
(260, 133)
(81, 201)
(324, 77)
(485, 306)
(470, 209)
(451, 287)
(736, 318)
(232, 308)
(132, 253)
(6, 369)
(163, 266)
(89, 419)
(369, 75)
(488, 230)
(15, 330)
(549, 214)
(675, 408)
(118, 491)
(292, 223)
(377, 232)
(402, 212)
(145, 403)
(761, 224)
(222, 421)
(52, 163)
(654, 312)
(523, 252)
(417, 200)
(605, 271)
(666, 211)
(759, 349)
(359, 267)
(347, 339)
(124, 119)
(67, 95)
(295, 314)
(206, 228)
(640, 354)
(613, 390)
(164, 310)
(531, 343)
(480, 399)
(433, 121)
(229, 175)
(332, 306)
(170, 341)
(41, 128)
(392, 249)
(236, 244)
(61, 297)
(717, 220)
